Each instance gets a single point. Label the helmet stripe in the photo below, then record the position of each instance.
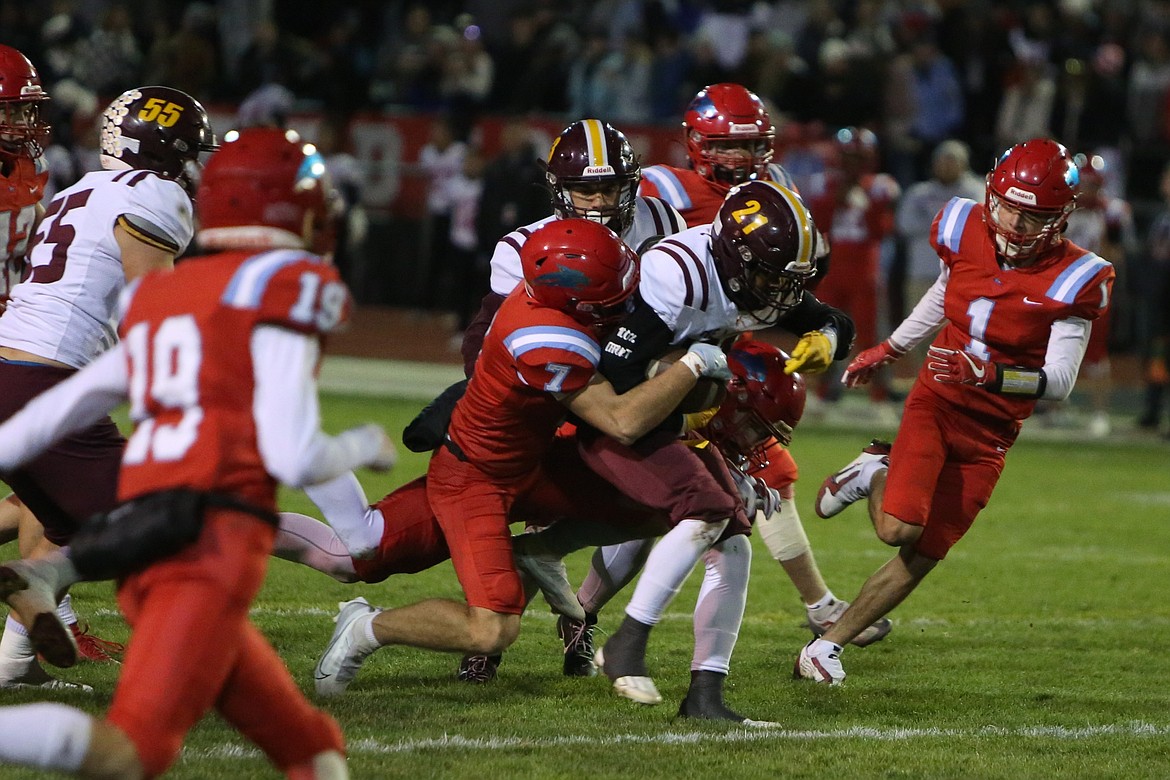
(595, 138)
(803, 220)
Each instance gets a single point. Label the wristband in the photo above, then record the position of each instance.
(693, 362)
(1019, 381)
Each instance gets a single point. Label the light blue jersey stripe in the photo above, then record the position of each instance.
(246, 288)
(669, 187)
(539, 337)
(954, 219)
(1074, 278)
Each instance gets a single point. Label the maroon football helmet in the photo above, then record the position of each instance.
(762, 403)
(1030, 193)
(157, 129)
(764, 245)
(591, 156)
(266, 188)
(729, 134)
(22, 130)
(582, 268)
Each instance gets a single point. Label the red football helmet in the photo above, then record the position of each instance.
(264, 189)
(857, 149)
(729, 134)
(22, 130)
(157, 129)
(589, 157)
(762, 403)
(1030, 193)
(764, 245)
(582, 268)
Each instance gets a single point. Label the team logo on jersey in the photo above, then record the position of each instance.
(570, 278)
(1023, 196)
(598, 170)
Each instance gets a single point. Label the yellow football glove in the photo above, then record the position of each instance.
(812, 354)
(697, 420)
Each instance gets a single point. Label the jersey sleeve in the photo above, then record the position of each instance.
(553, 359)
(506, 269)
(1085, 285)
(291, 289)
(946, 233)
(157, 211)
(660, 182)
(664, 284)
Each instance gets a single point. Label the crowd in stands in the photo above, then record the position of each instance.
(1094, 74)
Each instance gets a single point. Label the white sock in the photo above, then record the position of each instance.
(668, 565)
(16, 651)
(719, 608)
(65, 611)
(823, 601)
(343, 503)
(47, 736)
(611, 569)
(306, 540)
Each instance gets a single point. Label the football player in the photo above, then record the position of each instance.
(538, 363)
(729, 139)
(1013, 308)
(217, 359)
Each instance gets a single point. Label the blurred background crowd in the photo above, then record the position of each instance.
(432, 116)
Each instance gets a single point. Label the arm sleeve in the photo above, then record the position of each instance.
(1066, 348)
(288, 419)
(641, 337)
(476, 330)
(926, 318)
(812, 314)
(75, 404)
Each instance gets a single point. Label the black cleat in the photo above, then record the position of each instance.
(479, 668)
(577, 636)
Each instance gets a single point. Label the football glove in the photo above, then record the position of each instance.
(697, 420)
(706, 360)
(952, 366)
(812, 354)
(863, 367)
(754, 493)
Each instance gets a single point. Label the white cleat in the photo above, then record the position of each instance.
(851, 483)
(823, 667)
(822, 619)
(635, 688)
(32, 589)
(348, 648)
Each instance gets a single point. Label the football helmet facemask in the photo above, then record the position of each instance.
(729, 135)
(764, 245)
(582, 268)
(23, 132)
(157, 129)
(594, 160)
(1030, 194)
(266, 188)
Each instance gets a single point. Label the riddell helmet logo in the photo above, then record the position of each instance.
(598, 170)
(740, 129)
(1023, 196)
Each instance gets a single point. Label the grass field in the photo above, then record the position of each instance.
(1038, 649)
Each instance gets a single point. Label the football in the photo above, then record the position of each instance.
(705, 394)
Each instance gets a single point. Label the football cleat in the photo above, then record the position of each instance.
(577, 636)
(719, 711)
(346, 651)
(478, 668)
(823, 667)
(550, 575)
(635, 687)
(822, 619)
(851, 483)
(94, 648)
(36, 677)
(31, 588)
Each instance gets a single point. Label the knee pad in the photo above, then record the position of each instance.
(783, 533)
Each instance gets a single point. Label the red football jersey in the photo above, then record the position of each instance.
(1005, 315)
(697, 198)
(20, 192)
(187, 336)
(509, 415)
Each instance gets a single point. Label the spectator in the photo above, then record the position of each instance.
(469, 277)
(1154, 328)
(277, 57)
(346, 175)
(187, 60)
(513, 194)
(110, 57)
(468, 71)
(1026, 109)
(440, 161)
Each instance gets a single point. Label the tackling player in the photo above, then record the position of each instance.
(1013, 309)
(217, 360)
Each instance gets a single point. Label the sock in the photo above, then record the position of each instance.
(719, 608)
(65, 611)
(668, 565)
(610, 570)
(16, 651)
(46, 736)
(304, 540)
(823, 601)
(343, 503)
